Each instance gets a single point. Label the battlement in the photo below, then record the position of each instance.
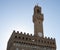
(31, 39)
(21, 33)
(27, 34)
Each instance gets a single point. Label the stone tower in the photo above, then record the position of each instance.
(38, 21)
(23, 41)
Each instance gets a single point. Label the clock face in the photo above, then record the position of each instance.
(40, 34)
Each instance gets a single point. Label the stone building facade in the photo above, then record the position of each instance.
(23, 41)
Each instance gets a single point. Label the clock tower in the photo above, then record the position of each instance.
(26, 41)
(38, 21)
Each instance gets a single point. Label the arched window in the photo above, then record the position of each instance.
(38, 40)
(15, 36)
(23, 38)
(26, 38)
(19, 37)
(29, 39)
(38, 11)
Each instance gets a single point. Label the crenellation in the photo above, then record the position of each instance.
(48, 37)
(24, 33)
(28, 34)
(21, 33)
(17, 32)
(14, 31)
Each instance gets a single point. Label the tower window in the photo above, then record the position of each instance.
(38, 11)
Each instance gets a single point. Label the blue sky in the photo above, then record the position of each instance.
(17, 15)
